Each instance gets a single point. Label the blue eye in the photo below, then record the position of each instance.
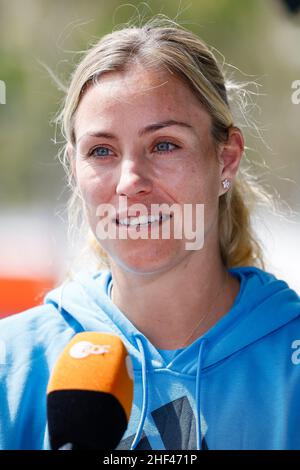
(103, 152)
(99, 152)
(166, 147)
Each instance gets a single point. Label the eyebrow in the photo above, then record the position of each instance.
(148, 129)
(160, 125)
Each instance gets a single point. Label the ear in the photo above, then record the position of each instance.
(230, 154)
(72, 159)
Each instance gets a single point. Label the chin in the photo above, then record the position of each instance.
(146, 259)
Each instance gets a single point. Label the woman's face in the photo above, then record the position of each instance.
(128, 144)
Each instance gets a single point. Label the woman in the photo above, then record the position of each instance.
(211, 335)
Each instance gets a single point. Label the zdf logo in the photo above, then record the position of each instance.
(296, 354)
(86, 348)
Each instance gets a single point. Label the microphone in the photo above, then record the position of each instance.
(90, 393)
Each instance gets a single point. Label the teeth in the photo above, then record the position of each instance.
(134, 221)
(142, 220)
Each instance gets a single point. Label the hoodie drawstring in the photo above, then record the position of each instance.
(198, 397)
(144, 398)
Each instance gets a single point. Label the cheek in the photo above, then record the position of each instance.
(205, 179)
(192, 182)
(95, 187)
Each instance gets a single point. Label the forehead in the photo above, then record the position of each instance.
(139, 94)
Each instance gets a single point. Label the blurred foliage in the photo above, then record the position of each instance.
(256, 36)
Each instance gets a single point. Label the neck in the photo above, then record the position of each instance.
(172, 309)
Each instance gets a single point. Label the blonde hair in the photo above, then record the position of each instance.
(164, 44)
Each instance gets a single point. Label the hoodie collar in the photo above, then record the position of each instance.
(263, 305)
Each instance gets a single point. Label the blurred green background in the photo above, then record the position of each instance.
(259, 37)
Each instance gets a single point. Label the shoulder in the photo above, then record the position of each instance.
(263, 285)
(43, 331)
(24, 337)
(30, 343)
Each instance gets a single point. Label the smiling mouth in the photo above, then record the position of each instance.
(143, 221)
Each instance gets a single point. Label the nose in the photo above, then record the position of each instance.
(133, 179)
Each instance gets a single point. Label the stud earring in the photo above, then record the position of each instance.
(226, 184)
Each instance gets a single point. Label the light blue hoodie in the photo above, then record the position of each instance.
(236, 387)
